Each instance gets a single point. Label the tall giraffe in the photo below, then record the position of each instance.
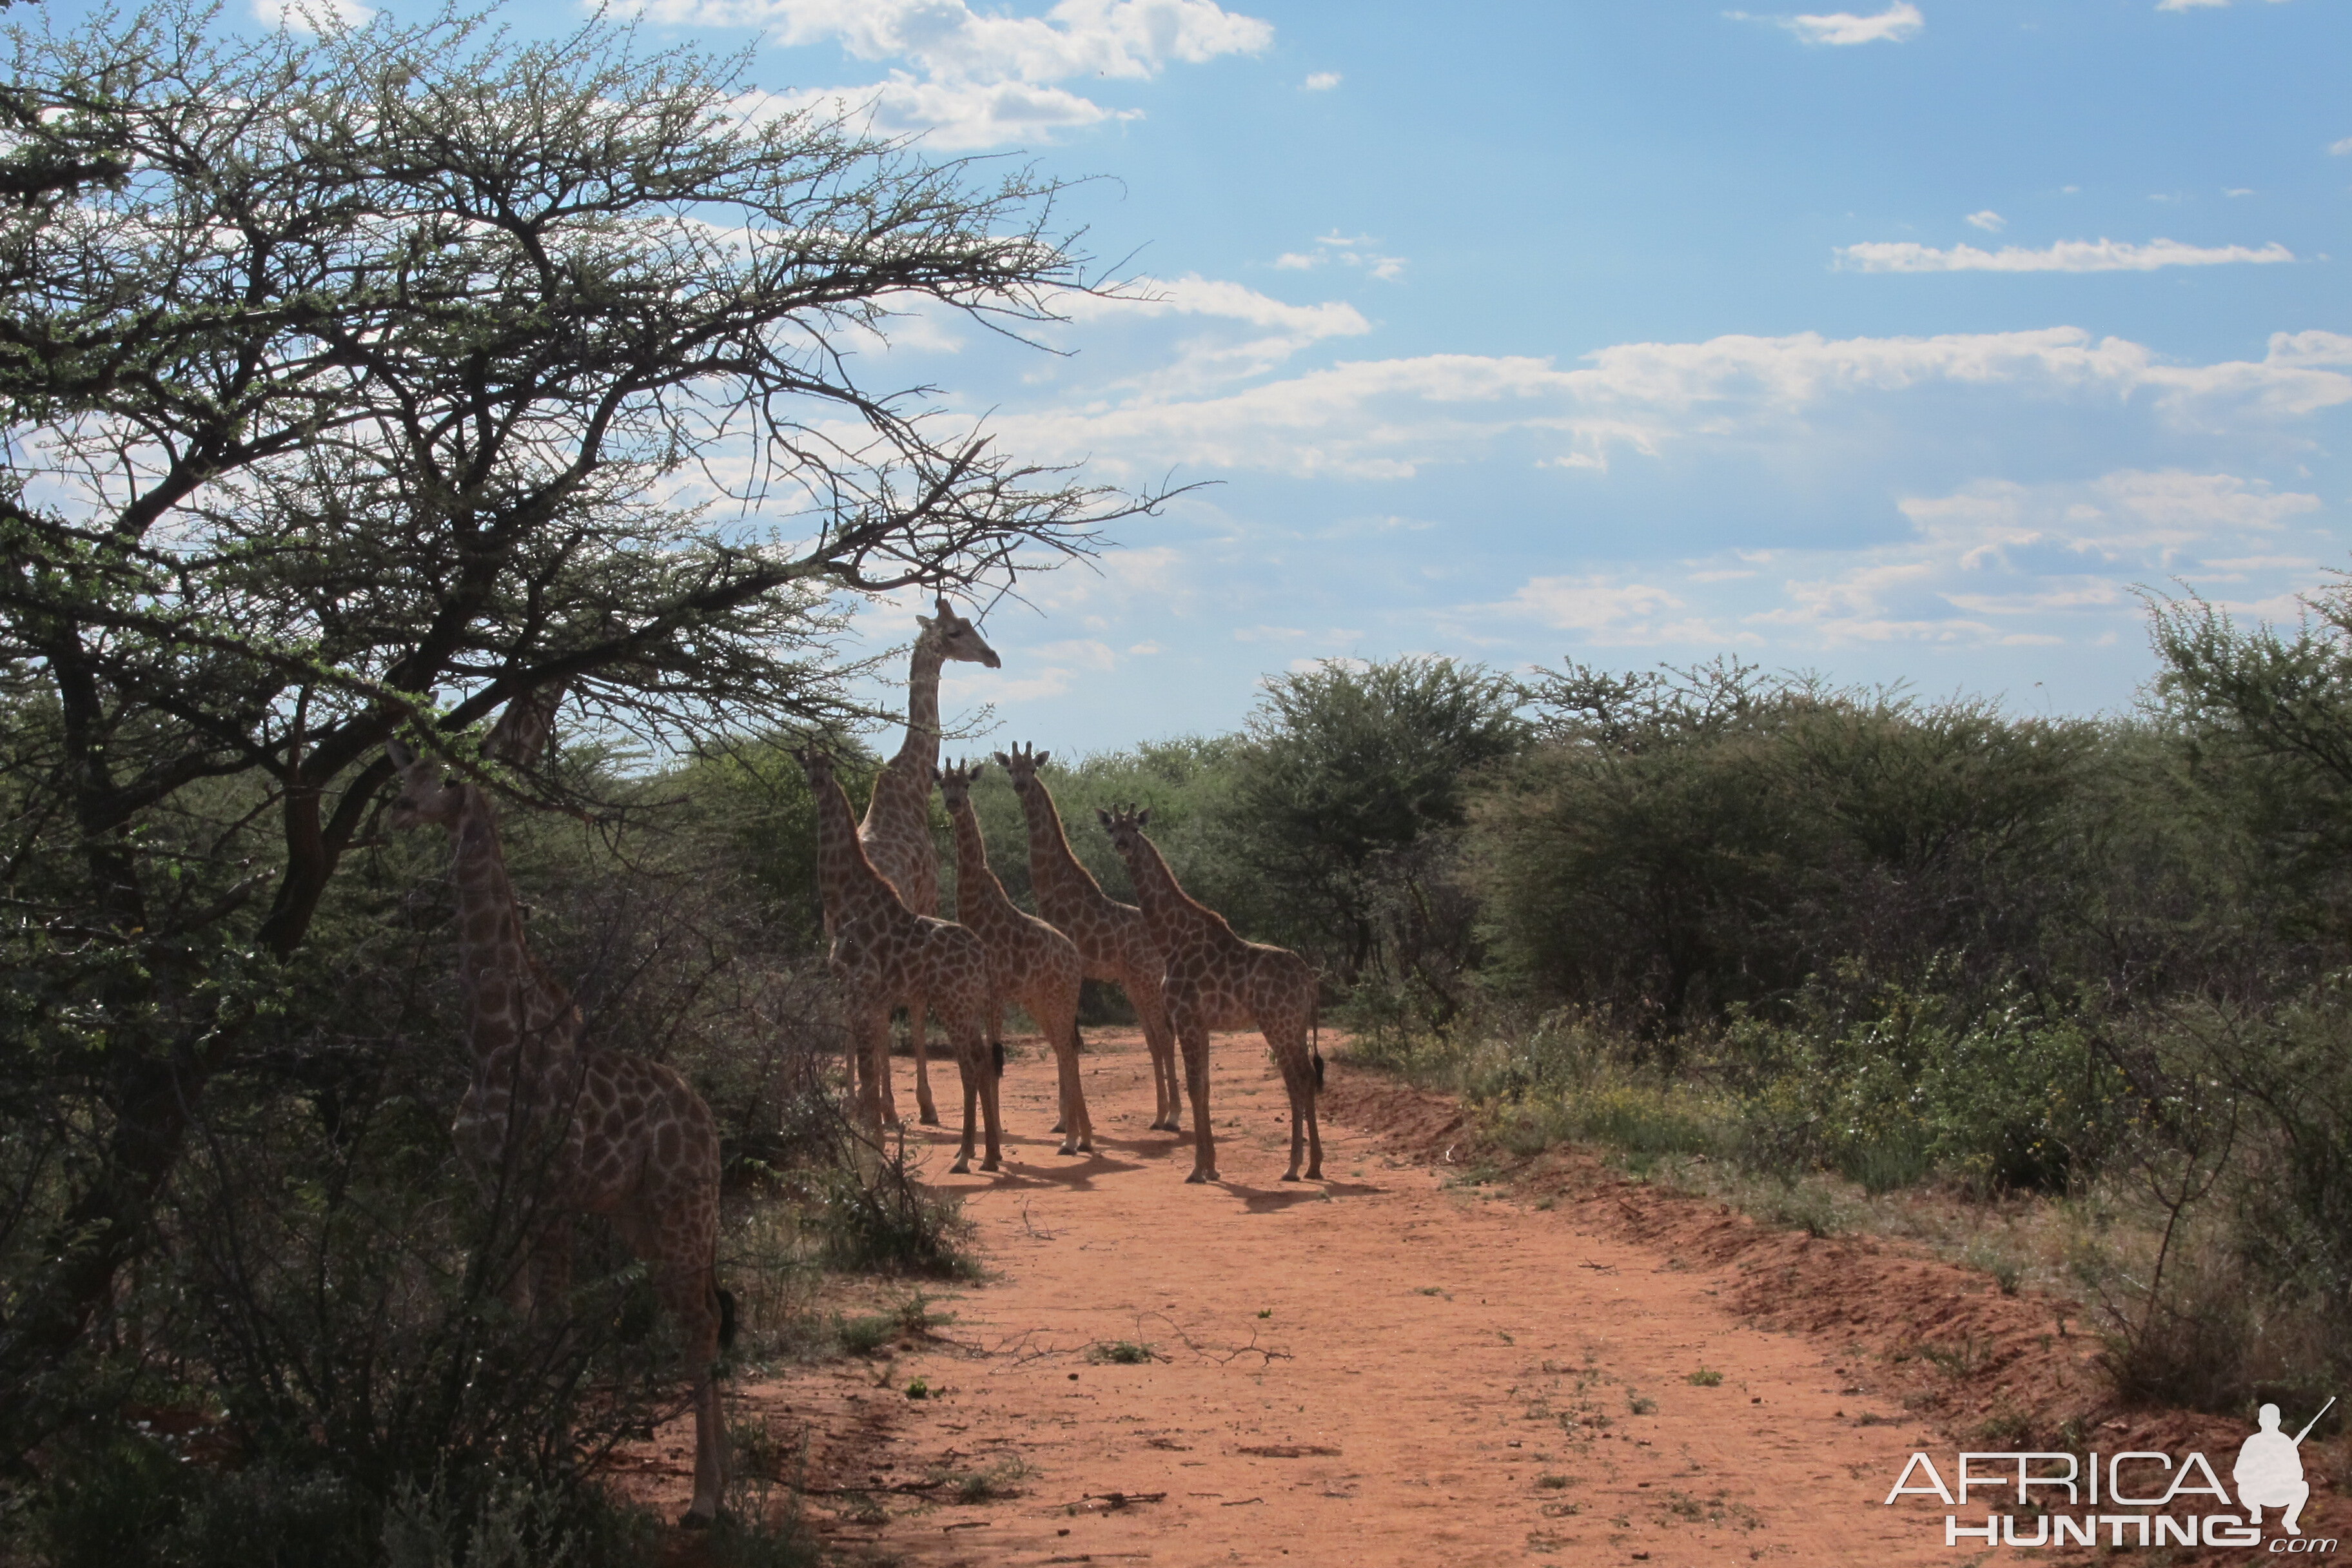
(1029, 961)
(1217, 981)
(1115, 942)
(593, 1132)
(896, 831)
(885, 954)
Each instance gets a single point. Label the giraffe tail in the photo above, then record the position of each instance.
(996, 1057)
(1314, 1046)
(726, 1312)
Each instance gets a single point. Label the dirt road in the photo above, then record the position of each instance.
(1381, 1368)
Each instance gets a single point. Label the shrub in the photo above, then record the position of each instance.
(1887, 1085)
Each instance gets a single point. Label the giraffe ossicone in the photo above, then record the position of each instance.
(593, 1132)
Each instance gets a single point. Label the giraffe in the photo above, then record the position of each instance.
(1217, 981)
(1028, 961)
(1115, 942)
(885, 954)
(896, 831)
(600, 1131)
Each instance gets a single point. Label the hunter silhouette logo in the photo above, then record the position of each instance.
(2269, 1472)
(2180, 1502)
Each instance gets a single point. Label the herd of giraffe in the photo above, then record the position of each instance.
(605, 1132)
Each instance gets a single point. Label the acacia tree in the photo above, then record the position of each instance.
(340, 374)
(1350, 790)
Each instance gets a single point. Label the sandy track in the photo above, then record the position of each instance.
(1378, 1369)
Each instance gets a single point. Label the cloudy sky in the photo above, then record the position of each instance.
(1899, 344)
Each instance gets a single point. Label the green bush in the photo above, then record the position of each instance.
(1888, 1086)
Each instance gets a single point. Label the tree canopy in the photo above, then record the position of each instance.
(372, 379)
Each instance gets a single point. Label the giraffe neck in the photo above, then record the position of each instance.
(1055, 874)
(1164, 901)
(494, 965)
(919, 755)
(898, 813)
(852, 889)
(978, 891)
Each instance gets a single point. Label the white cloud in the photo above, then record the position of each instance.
(955, 116)
(2066, 255)
(1603, 609)
(1193, 295)
(1988, 220)
(2341, 149)
(1348, 250)
(2064, 555)
(2195, 4)
(1384, 419)
(980, 79)
(1892, 25)
(1281, 330)
(1322, 81)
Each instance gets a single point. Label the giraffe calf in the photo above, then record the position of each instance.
(1029, 961)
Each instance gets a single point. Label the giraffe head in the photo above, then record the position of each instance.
(1125, 824)
(523, 730)
(426, 794)
(955, 784)
(956, 638)
(815, 763)
(1022, 766)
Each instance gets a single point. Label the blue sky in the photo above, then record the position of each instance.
(1898, 344)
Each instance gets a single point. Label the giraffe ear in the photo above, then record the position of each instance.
(1038, 759)
(1143, 818)
(1002, 761)
(1103, 815)
(402, 757)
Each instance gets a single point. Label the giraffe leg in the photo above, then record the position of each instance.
(991, 1081)
(918, 1035)
(1310, 1085)
(853, 1071)
(969, 1070)
(691, 1294)
(1195, 1041)
(1299, 1084)
(1077, 1126)
(1159, 1039)
(877, 1067)
(869, 1035)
